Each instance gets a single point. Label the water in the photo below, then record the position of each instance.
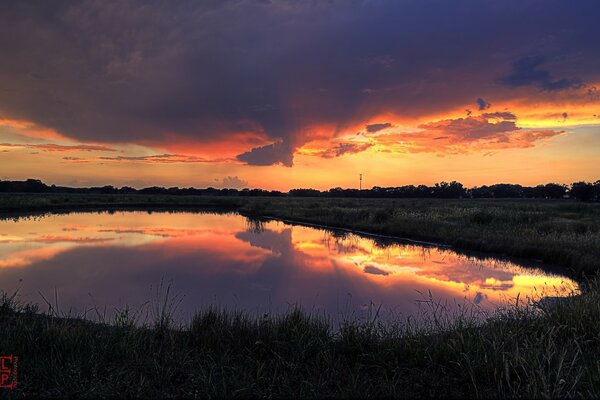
(97, 263)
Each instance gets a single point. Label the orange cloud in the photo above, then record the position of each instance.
(488, 131)
(68, 239)
(55, 239)
(166, 159)
(31, 129)
(226, 147)
(28, 257)
(399, 265)
(53, 147)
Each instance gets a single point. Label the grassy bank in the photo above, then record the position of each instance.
(518, 352)
(523, 352)
(564, 233)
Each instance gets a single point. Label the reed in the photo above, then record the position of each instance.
(520, 351)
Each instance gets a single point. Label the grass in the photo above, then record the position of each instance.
(31, 202)
(518, 352)
(559, 232)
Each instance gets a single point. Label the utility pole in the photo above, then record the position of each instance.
(360, 182)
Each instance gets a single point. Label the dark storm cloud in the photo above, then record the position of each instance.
(370, 269)
(377, 127)
(137, 71)
(276, 153)
(482, 104)
(529, 71)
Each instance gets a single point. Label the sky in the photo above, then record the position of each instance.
(282, 94)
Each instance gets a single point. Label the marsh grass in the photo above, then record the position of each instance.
(520, 351)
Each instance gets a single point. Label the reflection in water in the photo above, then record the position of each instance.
(109, 260)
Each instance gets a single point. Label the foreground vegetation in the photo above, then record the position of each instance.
(520, 351)
(559, 232)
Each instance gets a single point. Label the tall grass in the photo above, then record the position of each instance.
(523, 351)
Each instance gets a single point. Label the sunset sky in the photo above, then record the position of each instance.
(280, 94)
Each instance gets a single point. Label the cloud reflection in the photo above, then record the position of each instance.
(114, 259)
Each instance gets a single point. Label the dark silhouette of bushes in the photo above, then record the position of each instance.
(583, 191)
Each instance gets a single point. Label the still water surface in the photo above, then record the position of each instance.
(101, 262)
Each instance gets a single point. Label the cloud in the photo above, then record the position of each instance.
(275, 153)
(80, 147)
(487, 132)
(30, 129)
(527, 71)
(163, 159)
(233, 182)
(78, 160)
(370, 269)
(344, 148)
(377, 127)
(71, 239)
(206, 71)
(482, 104)
(56, 239)
(51, 147)
(469, 128)
(500, 115)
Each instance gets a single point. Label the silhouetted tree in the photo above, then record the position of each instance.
(449, 190)
(579, 190)
(550, 191)
(582, 191)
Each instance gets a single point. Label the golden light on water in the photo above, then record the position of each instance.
(223, 256)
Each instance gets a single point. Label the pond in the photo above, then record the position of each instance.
(96, 263)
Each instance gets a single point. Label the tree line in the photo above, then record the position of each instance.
(584, 191)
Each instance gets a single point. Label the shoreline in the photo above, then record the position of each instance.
(417, 221)
(479, 254)
(224, 352)
(516, 352)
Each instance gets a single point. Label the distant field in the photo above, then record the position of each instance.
(560, 232)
